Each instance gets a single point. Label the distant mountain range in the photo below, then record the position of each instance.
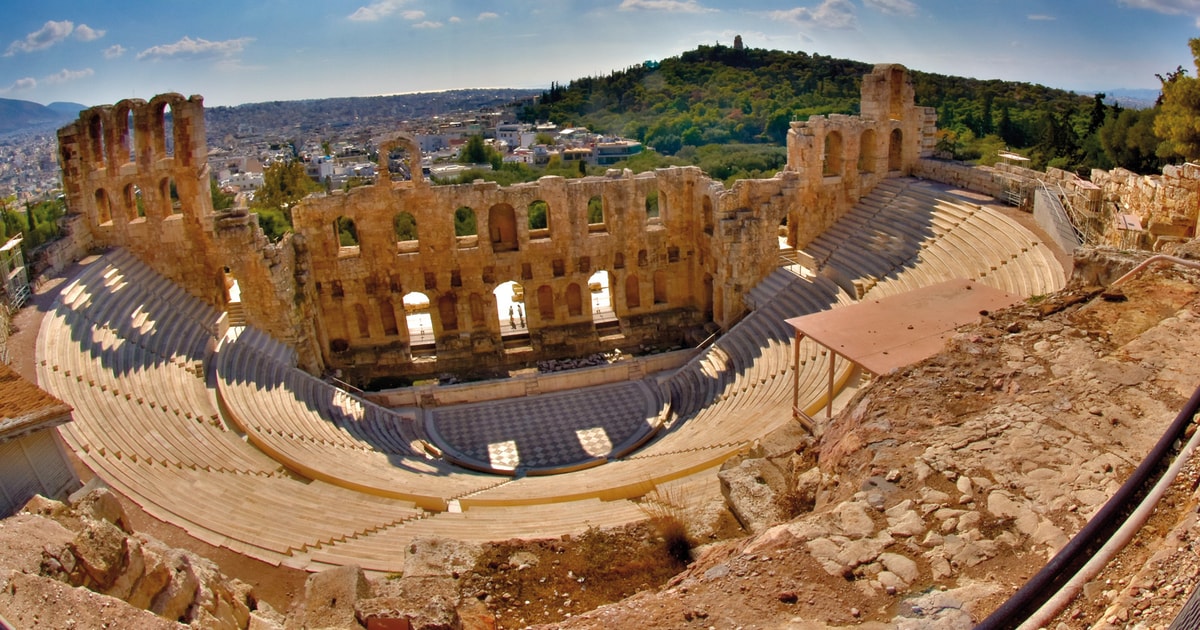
(18, 116)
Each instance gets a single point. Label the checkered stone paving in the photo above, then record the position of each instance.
(547, 431)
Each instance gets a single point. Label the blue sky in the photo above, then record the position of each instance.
(258, 50)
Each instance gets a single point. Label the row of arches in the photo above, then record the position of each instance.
(518, 308)
(502, 224)
(136, 131)
(868, 146)
(134, 203)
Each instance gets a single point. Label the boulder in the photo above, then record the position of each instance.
(749, 490)
(34, 601)
(102, 505)
(439, 557)
(330, 598)
(102, 551)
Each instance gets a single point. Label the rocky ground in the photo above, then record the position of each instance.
(935, 494)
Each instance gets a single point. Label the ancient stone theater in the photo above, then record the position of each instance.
(188, 393)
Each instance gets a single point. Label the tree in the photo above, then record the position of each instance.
(1178, 122)
(220, 200)
(1129, 141)
(284, 185)
(475, 152)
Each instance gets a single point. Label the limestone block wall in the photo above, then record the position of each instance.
(840, 158)
(653, 263)
(137, 171)
(1167, 204)
(678, 250)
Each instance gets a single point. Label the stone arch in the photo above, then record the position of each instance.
(660, 287)
(97, 145)
(345, 232)
(387, 318)
(502, 227)
(131, 202)
(360, 317)
(464, 222)
(545, 297)
(510, 308)
(652, 208)
(538, 218)
(574, 300)
(595, 214)
(896, 150)
(404, 225)
(410, 145)
(633, 297)
(478, 321)
(834, 151)
(600, 290)
(123, 121)
(168, 197)
(159, 147)
(867, 151)
(448, 311)
(417, 319)
(103, 207)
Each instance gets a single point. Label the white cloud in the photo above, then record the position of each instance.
(454, 19)
(892, 7)
(375, 11)
(1168, 7)
(20, 85)
(50, 34)
(64, 75)
(487, 15)
(114, 51)
(831, 14)
(1041, 17)
(670, 6)
(188, 47)
(85, 33)
(428, 24)
(412, 15)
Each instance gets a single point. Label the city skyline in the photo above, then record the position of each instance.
(235, 53)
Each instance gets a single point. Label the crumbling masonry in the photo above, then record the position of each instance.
(680, 249)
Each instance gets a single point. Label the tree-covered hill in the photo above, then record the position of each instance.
(721, 94)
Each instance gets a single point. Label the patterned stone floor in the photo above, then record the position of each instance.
(548, 431)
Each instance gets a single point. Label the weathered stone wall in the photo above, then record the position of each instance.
(1166, 204)
(680, 249)
(840, 158)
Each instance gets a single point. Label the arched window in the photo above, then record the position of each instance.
(633, 298)
(502, 226)
(123, 118)
(706, 212)
(131, 202)
(539, 219)
(345, 232)
(168, 197)
(417, 318)
(360, 316)
(546, 303)
(833, 154)
(464, 222)
(896, 151)
(510, 308)
(405, 227)
(652, 206)
(660, 287)
(866, 152)
(595, 214)
(387, 317)
(896, 94)
(574, 300)
(448, 311)
(103, 208)
(96, 141)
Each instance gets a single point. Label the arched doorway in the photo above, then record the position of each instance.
(510, 312)
(418, 319)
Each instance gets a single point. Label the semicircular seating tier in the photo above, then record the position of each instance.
(908, 233)
(269, 461)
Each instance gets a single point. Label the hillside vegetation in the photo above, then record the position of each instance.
(720, 95)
